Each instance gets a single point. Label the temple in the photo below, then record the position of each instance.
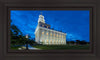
(47, 36)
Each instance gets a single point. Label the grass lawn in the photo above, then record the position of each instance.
(62, 47)
(15, 48)
(58, 47)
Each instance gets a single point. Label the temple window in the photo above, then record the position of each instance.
(54, 34)
(42, 32)
(62, 36)
(47, 40)
(51, 41)
(51, 34)
(47, 26)
(57, 35)
(47, 33)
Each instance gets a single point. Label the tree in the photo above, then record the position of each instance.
(16, 38)
(15, 30)
(31, 42)
(72, 42)
(77, 42)
(83, 42)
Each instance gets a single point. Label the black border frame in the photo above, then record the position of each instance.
(18, 56)
(92, 35)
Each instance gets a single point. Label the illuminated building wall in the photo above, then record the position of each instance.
(47, 36)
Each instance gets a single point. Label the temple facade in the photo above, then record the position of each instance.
(47, 36)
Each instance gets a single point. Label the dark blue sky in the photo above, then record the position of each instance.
(74, 22)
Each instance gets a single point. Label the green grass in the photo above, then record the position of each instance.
(58, 47)
(61, 47)
(15, 48)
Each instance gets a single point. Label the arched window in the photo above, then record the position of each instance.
(42, 32)
(54, 34)
(47, 26)
(50, 41)
(47, 33)
(57, 35)
(54, 41)
(47, 41)
(57, 41)
(50, 34)
(62, 36)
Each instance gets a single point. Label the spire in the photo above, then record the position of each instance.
(41, 18)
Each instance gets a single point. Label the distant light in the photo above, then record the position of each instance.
(26, 35)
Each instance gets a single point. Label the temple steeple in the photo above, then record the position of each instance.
(41, 18)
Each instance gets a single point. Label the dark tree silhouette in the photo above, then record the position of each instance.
(72, 42)
(83, 42)
(77, 42)
(17, 38)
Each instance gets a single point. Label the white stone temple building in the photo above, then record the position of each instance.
(47, 36)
